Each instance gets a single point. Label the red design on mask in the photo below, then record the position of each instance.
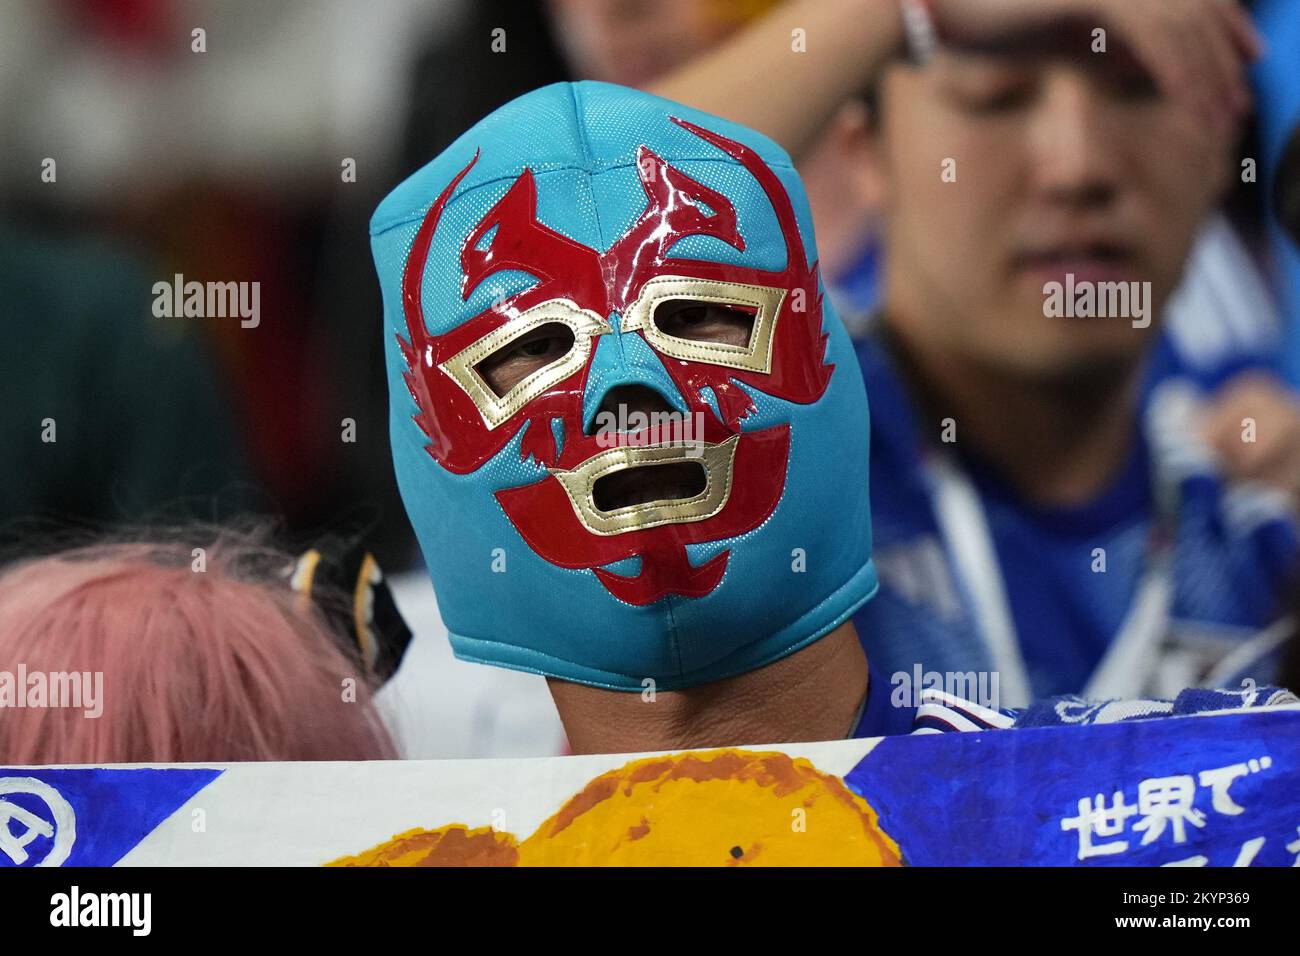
(542, 515)
(605, 283)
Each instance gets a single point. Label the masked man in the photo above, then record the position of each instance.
(628, 430)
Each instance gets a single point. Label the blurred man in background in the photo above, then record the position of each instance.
(1038, 515)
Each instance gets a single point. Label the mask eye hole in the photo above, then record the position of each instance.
(517, 359)
(708, 320)
(698, 321)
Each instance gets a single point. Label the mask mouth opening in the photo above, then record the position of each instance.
(650, 482)
(646, 487)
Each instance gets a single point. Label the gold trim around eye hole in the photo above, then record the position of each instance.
(718, 461)
(756, 356)
(496, 409)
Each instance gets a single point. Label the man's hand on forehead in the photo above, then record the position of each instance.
(1196, 50)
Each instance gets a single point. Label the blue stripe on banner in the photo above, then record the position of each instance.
(1193, 791)
(87, 816)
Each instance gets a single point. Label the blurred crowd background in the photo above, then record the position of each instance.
(230, 164)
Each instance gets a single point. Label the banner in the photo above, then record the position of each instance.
(1191, 791)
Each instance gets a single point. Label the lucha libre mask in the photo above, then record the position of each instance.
(582, 245)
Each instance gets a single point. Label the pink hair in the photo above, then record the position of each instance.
(220, 664)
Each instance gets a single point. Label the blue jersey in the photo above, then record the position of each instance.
(1104, 598)
(886, 713)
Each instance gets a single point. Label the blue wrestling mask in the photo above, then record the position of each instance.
(628, 430)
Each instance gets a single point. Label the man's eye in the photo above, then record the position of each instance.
(515, 361)
(705, 321)
(538, 347)
(983, 85)
(994, 99)
(1132, 84)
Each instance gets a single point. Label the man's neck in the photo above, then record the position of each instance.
(1057, 442)
(812, 694)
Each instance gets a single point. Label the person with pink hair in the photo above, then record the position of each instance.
(191, 655)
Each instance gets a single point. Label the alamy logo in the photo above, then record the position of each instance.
(209, 300)
(639, 429)
(76, 908)
(1099, 300)
(977, 687)
(81, 690)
